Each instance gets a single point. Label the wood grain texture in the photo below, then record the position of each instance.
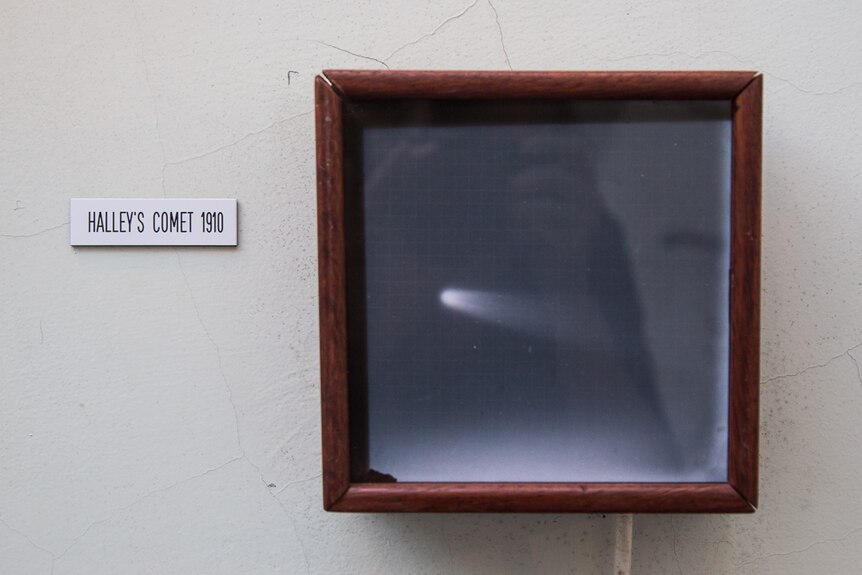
(544, 497)
(332, 283)
(385, 84)
(745, 291)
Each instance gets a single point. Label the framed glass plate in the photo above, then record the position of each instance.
(539, 291)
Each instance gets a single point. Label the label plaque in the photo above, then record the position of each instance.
(153, 222)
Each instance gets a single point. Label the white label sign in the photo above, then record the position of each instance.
(153, 222)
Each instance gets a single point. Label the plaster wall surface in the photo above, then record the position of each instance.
(159, 407)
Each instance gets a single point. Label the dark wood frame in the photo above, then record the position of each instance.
(739, 492)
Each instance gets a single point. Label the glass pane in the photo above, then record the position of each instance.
(538, 290)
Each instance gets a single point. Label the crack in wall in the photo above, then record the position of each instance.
(217, 350)
(802, 550)
(113, 512)
(816, 366)
(500, 30)
(287, 514)
(363, 56)
(434, 31)
(384, 61)
(239, 442)
(153, 100)
(238, 140)
(34, 234)
(297, 482)
(25, 537)
(855, 363)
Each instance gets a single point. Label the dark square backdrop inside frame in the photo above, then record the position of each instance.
(539, 291)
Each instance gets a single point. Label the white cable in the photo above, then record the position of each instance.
(623, 545)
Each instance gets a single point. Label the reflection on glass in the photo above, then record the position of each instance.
(544, 295)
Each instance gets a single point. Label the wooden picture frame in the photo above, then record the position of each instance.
(739, 493)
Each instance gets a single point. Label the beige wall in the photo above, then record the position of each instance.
(159, 407)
